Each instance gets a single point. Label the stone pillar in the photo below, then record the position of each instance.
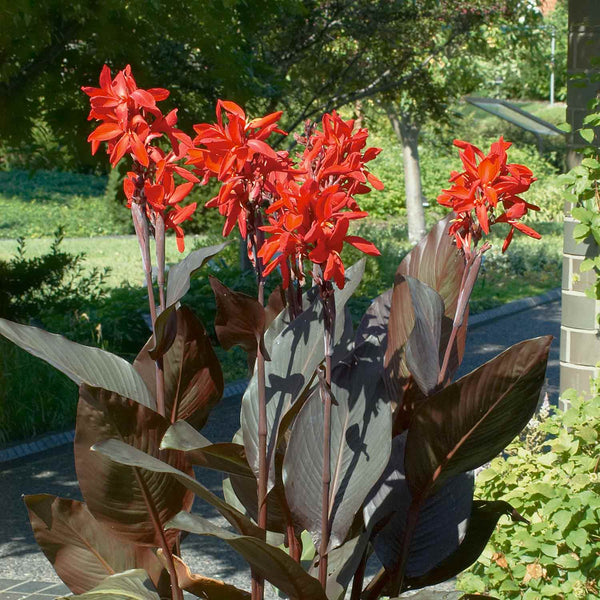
(580, 334)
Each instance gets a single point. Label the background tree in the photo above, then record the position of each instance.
(305, 57)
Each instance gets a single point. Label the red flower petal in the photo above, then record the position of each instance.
(262, 148)
(362, 245)
(105, 132)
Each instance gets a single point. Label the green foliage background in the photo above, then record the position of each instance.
(552, 477)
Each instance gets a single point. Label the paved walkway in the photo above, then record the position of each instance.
(25, 572)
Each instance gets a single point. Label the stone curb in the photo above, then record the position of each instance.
(55, 440)
(237, 388)
(512, 308)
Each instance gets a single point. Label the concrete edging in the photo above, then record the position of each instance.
(237, 388)
(517, 306)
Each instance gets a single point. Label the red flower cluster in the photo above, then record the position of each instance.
(131, 121)
(309, 206)
(311, 216)
(235, 152)
(489, 187)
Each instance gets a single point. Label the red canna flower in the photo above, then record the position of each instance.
(311, 223)
(131, 122)
(488, 187)
(235, 152)
(310, 218)
(334, 155)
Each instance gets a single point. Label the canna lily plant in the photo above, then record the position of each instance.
(353, 444)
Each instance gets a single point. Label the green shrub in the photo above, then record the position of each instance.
(35, 398)
(53, 282)
(552, 477)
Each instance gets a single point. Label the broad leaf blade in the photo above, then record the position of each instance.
(224, 457)
(82, 364)
(82, 551)
(178, 282)
(240, 319)
(482, 523)
(296, 353)
(272, 563)
(423, 345)
(374, 323)
(192, 373)
(361, 427)
(275, 305)
(442, 519)
(436, 262)
(472, 420)
(121, 453)
(129, 585)
(121, 497)
(342, 563)
(228, 458)
(206, 587)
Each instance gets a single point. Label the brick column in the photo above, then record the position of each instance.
(580, 334)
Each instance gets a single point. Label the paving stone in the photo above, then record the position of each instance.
(10, 596)
(56, 589)
(8, 583)
(31, 586)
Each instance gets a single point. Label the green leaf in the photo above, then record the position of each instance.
(590, 163)
(508, 585)
(587, 135)
(577, 538)
(562, 519)
(581, 231)
(82, 364)
(272, 563)
(566, 561)
(549, 550)
(544, 489)
(361, 433)
(295, 355)
(470, 421)
(82, 551)
(129, 585)
(581, 214)
(121, 453)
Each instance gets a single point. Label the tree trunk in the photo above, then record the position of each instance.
(407, 132)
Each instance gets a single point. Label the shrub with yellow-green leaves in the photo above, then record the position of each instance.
(552, 477)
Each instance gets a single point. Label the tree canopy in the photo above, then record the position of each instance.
(305, 57)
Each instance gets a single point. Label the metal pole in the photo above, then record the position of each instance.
(552, 52)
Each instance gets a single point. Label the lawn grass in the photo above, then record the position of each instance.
(119, 253)
(34, 205)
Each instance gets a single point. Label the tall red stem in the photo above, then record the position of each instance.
(159, 236)
(258, 584)
(328, 333)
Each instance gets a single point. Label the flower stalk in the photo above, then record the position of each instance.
(328, 302)
(256, 238)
